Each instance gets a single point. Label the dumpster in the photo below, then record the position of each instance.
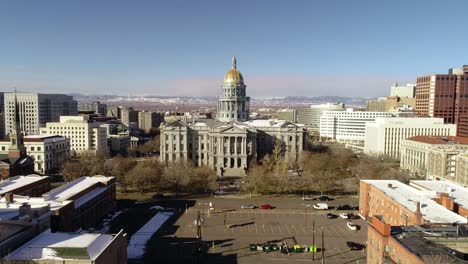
(274, 247)
(253, 247)
(297, 249)
(312, 248)
(266, 248)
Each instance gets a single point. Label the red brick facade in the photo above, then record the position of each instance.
(450, 99)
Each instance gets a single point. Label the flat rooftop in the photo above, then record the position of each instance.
(458, 193)
(71, 189)
(13, 183)
(440, 140)
(408, 197)
(434, 241)
(62, 246)
(10, 210)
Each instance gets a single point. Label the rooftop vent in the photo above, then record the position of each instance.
(390, 185)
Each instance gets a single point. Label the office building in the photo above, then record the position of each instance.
(95, 107)
(408, 91)
(83, 247)
(415, 150)
(444, 96)
(384, 135)
(84, 135)
(310, 116)
(119, 144)
(228, 144)
(288, 115)
(347, 126)
(49, 152)
(128, 115)
(35, 110)
(149, 120)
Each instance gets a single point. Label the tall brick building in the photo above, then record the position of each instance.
(445, 96)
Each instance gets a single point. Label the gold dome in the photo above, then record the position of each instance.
(233, 76)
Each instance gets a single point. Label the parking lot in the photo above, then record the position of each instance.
(229, 230)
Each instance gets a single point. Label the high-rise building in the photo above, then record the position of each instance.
(384, 135)
(445, 96)
(149, 120)
(83, 134)
(128, 115)
(96, 107)
(35, 110)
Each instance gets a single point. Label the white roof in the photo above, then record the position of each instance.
(13, 183)
(458, 193)
(10, 210)
(408, 196)
(88, 196)
(265, 123)
(65, 192)
(45, 245)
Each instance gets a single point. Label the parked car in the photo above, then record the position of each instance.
(320, 206)
(344, 215)
(331, 216)
(352, 226)
(307, 198)
(353, 216)
(354, 246)
(343, 207)
(266, 206)
(323, 198)
(356, 208)
(248, 206)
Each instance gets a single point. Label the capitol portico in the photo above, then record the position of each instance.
(230, 142)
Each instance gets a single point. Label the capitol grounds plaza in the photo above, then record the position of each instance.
(289, 222)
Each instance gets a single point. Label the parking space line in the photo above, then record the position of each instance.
(256, 230)
(289, 232)
(263, 226)
(272, 231)
(293, 227)
(303, 229)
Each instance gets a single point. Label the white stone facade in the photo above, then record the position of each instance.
(229, 143)
(83, 134)
(49, 152)
(384, 136)
(347, 126)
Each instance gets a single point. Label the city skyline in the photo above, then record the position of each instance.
(184, 48)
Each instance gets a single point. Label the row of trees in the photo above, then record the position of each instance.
(143, 174)
(332, 169)
(336, 169)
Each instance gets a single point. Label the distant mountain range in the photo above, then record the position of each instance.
(289, 101)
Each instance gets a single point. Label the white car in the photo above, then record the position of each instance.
(344, 215)
(352, 226)
(320, 206)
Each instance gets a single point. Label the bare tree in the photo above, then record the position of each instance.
(176, 175)
(438, 259)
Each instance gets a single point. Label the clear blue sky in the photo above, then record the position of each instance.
(185, 47)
